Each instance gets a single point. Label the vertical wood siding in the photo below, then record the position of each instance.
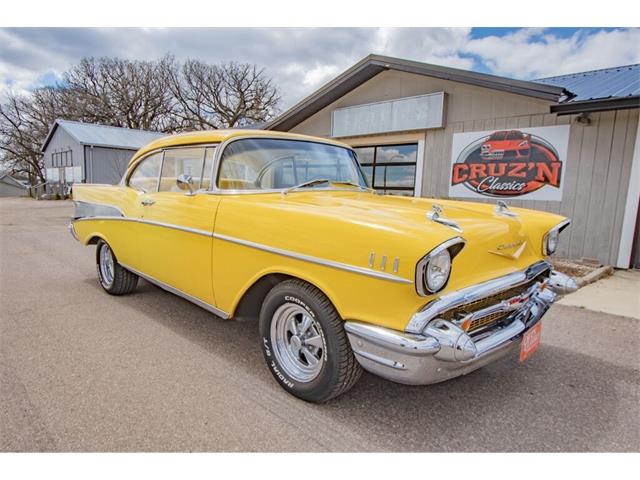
(596, 175)
(599, 155)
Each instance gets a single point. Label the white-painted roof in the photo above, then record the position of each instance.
(103, 135)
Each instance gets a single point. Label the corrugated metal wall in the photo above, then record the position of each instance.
(61, 142)
(596, 181)
(106, 165)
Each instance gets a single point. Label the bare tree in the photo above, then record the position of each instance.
(221, 96)
(121, 93)
(24, 122)
(163, 96)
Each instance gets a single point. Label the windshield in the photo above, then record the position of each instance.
(268, 164)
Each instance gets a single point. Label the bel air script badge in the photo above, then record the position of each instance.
(503, 249)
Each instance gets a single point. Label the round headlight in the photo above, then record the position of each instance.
(552, 241)
(437, 271)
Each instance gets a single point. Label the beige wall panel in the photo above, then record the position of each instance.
(596, 177)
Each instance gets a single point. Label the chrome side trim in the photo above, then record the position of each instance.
(266, 248)
(475, 292)
(316, 260)
(150, 222)
(180, 293)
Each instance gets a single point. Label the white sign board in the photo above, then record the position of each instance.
(517, 163)
(409, 113)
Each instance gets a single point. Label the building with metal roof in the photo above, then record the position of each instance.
(85, 152)
(10, 187)
(598, 90)
(424, 130)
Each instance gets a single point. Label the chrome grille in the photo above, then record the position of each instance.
(457, 315)
(487, 321)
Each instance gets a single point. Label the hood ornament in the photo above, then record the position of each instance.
(503, 209)
(435, 215)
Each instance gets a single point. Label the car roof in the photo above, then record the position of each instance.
(219, 136)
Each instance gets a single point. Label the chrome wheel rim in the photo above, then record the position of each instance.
(106, 265)
(298, 342)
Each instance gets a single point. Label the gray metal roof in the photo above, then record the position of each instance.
(372, 65)
(103, 135)
(7, 178)
(616, 82)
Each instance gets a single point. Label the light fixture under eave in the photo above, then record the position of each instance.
(584, 118)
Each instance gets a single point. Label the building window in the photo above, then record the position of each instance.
(390, 169)
(62, 159)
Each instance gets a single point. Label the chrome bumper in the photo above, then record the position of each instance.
(441, 349)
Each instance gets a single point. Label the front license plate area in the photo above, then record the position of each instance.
(530, 342)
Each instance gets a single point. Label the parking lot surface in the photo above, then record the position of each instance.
(84, 371)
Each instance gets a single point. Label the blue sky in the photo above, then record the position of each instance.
(301, 59)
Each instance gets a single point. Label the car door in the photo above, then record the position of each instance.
(177, 226)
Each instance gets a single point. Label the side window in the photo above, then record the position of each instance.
(145, 176)
(178, 161)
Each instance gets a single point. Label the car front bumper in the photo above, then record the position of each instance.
(434, 349)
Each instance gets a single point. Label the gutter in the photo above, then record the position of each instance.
(597, 105)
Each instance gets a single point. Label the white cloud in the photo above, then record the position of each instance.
(532, 53)
(302, 59)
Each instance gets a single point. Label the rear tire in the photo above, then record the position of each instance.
(304, 343)
(114, 279)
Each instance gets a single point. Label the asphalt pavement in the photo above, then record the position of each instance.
(84, 371)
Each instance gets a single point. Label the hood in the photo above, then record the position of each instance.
(348, 226)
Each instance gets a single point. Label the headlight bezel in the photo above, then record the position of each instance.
(555, 231)
(453, 246)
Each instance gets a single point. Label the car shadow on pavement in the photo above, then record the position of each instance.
(560, 400)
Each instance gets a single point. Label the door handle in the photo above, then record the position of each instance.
(147, 202)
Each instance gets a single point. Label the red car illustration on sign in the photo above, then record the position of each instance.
(506, 144)
(507, 163)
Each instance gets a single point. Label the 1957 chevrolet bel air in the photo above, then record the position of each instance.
(285, 228)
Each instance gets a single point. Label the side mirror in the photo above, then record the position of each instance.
(185, 182)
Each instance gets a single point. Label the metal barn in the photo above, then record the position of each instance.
(89, 153)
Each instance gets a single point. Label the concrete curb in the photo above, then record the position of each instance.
(594, 276)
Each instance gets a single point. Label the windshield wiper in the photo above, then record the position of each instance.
(352, 184)
(308, 183)
(320, 181)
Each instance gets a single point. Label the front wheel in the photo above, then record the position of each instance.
(115, 279)
(304, 343)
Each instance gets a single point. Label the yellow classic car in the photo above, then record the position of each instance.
(285, 228)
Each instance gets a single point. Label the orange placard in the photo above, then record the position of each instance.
(530, 342)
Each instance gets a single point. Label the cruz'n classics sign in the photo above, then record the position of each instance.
(522, 163)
